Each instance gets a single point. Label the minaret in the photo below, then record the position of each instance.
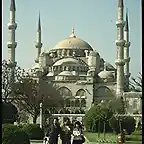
(120, 50)
(126, 50)
(38, 42)
(11, 44)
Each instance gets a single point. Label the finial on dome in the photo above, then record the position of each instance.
(73, 34)
(73, 29)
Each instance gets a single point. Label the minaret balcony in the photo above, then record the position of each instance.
(120, 42)
(127, 44)
(37, 60)
(127, 75)
(12, 64)
(120, 23)
(12, 26)
(38, 45)
(120, 62)
(11, 44)
(127, 60)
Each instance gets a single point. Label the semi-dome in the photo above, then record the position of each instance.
(66, 73)
(73, 42)
(70, 61)
(106, 75)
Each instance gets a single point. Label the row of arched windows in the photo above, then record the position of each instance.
(65, 111)
(66, 92)
(75, 103)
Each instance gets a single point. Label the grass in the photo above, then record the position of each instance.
(134, 138)
(93, 137)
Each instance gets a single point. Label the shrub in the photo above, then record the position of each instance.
(95, 118)
(9, 113)
(127, 123)
(114, 123)
(11, 134)
(33, 131)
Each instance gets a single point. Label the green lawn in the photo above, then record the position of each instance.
(93, 137)
(111, 138)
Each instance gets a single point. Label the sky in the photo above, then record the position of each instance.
(94, 22)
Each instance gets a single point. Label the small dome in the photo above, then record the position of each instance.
(50, 74)
(108, 66)
(37, 66)
(106, 75)
(94, 53)
(66, 73)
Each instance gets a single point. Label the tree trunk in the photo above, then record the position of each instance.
(99, 128)
(104, 129)
(34, 119)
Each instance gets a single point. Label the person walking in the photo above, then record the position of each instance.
(78, 137)
(53, 132)
(66, 131)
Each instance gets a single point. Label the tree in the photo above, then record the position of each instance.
(136, 83)
(7, 84)
(98, 115)
(31, 93)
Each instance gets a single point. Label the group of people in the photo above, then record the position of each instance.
(70, 133)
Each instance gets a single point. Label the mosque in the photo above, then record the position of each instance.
(82, 76)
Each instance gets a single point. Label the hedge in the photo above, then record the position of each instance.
(33, 131)
(11, 134)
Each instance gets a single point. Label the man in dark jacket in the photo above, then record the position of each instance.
(66, 131)
(53, 132)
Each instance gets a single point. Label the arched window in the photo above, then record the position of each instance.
(77, 103)
(77, 112)
(83, 103)
(80, 92)
(72, 103)
(135, 104)
(65, 92)
(67, 103)
(61, 112)
(82, 111)
(102, 93)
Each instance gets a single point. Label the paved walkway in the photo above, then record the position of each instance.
(59, 141)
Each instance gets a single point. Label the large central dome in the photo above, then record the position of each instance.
(72, 42)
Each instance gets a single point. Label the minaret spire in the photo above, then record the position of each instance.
(120, 49)
(12, 6)
(38, 42)
(126, 28)
(11, 44)
(126, 51)
(39, 23)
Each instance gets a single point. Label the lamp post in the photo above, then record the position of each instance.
(41, 116)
